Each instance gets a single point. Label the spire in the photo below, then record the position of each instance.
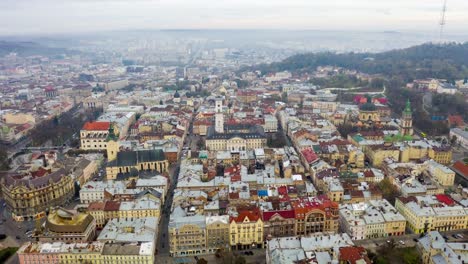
(111, 135)
(407, 107)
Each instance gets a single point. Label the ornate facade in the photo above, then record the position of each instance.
(30, 196)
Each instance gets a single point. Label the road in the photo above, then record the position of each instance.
(163, 238)
(408, 239)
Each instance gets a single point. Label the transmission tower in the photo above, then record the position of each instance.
(442, 20)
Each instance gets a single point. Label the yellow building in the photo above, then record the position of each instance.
(67, 226)
(436, 250)
(427, 213)
(246, 230)
(144, 207)
(94, 135)
(130, 162)
(357, 158)
(32, 195)
(377, 153)
(443, 175)
(442, 155)
(217, 233)
(187, 235)
(236, 138)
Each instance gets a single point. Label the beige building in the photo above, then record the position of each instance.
(427, 213)
(246, 230)
(217, 233)
(94, 135)
(377, 153)
(371, 219)
(67, 226)
(187, 235)
(434, 250)
(91, 253)
(32, 195)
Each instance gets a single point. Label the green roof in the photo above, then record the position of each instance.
(407, 107)
(397, 138)
(358, 138)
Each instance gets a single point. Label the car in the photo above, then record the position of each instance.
(445, 237)
(388, 241)
(18, 237)
(454, 236)
(459, 236)
(402, 242)
(251, 253)
(415, 240)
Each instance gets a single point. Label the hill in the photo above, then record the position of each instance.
(447, 61)
(30, 48)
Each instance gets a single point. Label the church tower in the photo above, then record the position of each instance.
(406, 126)
(112, 144)
(219, 122)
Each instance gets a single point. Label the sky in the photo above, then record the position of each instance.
(22, 17)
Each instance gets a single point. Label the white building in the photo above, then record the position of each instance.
(461, 136)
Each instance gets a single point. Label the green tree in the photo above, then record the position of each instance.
(4, 164)
(284, 97)
(389, 191)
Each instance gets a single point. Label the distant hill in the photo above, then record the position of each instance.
(30, 48)
(448, 61)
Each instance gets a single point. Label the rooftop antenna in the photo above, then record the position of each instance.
(442, 21)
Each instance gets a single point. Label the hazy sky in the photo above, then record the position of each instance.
(57, 16)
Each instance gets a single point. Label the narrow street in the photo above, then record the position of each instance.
(162, 246)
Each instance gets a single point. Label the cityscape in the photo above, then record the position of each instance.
(235, 146)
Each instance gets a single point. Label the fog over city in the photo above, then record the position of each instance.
(234, 131)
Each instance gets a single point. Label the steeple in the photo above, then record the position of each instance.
(407, 107)
(111, 135)
(406, 126)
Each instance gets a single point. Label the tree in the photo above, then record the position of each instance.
(4, 159)
(202, 261)
(453, 140)
(284, 97)
(389, 191)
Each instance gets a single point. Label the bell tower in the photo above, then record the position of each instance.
(219, 117)
(406, 126)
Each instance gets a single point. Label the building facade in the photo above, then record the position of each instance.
(29, 197)
(94, 135)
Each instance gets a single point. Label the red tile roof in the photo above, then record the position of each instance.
(252, 215)
(96, 126)
(287, 214)
(112, 206)
(309, 155)
(461, 168)
(352, 254)
(96, 206)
